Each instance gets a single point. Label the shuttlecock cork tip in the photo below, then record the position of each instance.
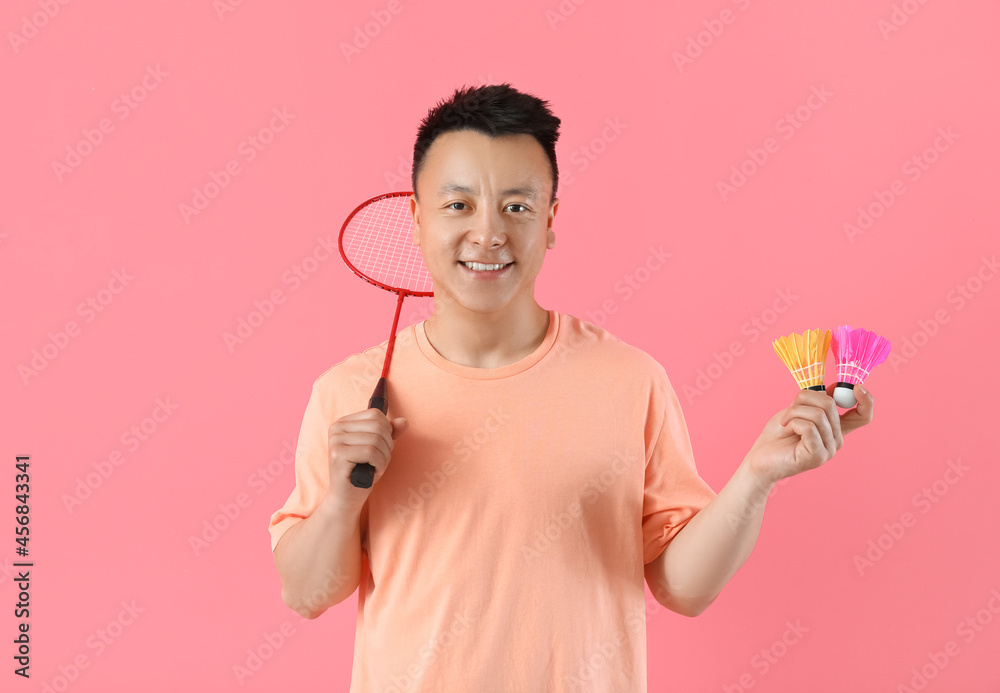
(843, 395)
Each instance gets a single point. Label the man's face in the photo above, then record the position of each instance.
(484, 200)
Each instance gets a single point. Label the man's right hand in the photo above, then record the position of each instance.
(365, 436)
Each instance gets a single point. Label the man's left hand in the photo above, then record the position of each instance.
(806, 434)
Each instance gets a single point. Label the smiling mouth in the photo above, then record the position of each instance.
(480, 267)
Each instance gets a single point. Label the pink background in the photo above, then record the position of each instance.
(650, 183)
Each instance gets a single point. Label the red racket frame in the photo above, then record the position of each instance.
(362, 475)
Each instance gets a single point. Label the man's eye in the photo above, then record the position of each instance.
(515, 204)
(452, 205)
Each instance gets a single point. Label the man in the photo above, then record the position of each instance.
(534, 469)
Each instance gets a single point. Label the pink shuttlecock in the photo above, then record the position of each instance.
(857, 352)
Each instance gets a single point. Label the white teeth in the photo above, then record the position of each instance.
(480, 267)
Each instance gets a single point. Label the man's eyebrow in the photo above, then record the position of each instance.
(526, 191)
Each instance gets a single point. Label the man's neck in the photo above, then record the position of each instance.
(487, 340)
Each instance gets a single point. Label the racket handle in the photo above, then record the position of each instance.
(363, 474)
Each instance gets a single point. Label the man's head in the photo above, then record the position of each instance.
(484, 168)
(494, 110)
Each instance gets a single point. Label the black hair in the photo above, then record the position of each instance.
(493, 110)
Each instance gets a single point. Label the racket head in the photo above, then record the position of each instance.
(376, 242)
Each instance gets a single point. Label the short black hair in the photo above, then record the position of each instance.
(493, 110)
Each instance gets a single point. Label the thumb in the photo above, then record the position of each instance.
(398, 426)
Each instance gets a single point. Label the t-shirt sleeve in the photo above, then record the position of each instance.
(312, 467)
(674, 492)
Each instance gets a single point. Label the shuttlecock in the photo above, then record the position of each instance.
(805, 356)
(857, 351)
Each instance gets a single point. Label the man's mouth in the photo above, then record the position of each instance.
(481, 267)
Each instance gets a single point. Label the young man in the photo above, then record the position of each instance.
(533, 469)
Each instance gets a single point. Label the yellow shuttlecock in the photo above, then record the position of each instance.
(805, 356)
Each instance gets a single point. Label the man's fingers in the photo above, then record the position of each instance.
(819, 408)
(358, 446)
(821, 423)
(398, 426)
(862, 414)
(810, 436)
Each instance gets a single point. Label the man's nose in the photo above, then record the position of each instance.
(487, 228)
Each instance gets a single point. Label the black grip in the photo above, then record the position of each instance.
(363, 474)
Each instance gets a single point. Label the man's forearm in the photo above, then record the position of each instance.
(319, 559)
(711, 547)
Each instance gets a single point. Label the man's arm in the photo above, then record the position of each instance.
(690, 573)
(319, 558)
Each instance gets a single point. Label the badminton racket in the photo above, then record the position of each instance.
(376, 242)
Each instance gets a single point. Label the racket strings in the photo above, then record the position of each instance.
(378, 242)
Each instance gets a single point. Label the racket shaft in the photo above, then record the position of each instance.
(363, 474)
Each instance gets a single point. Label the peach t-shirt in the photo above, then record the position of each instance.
(503, 548)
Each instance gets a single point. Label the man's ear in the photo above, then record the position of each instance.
(415, 213)
(551, 235)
